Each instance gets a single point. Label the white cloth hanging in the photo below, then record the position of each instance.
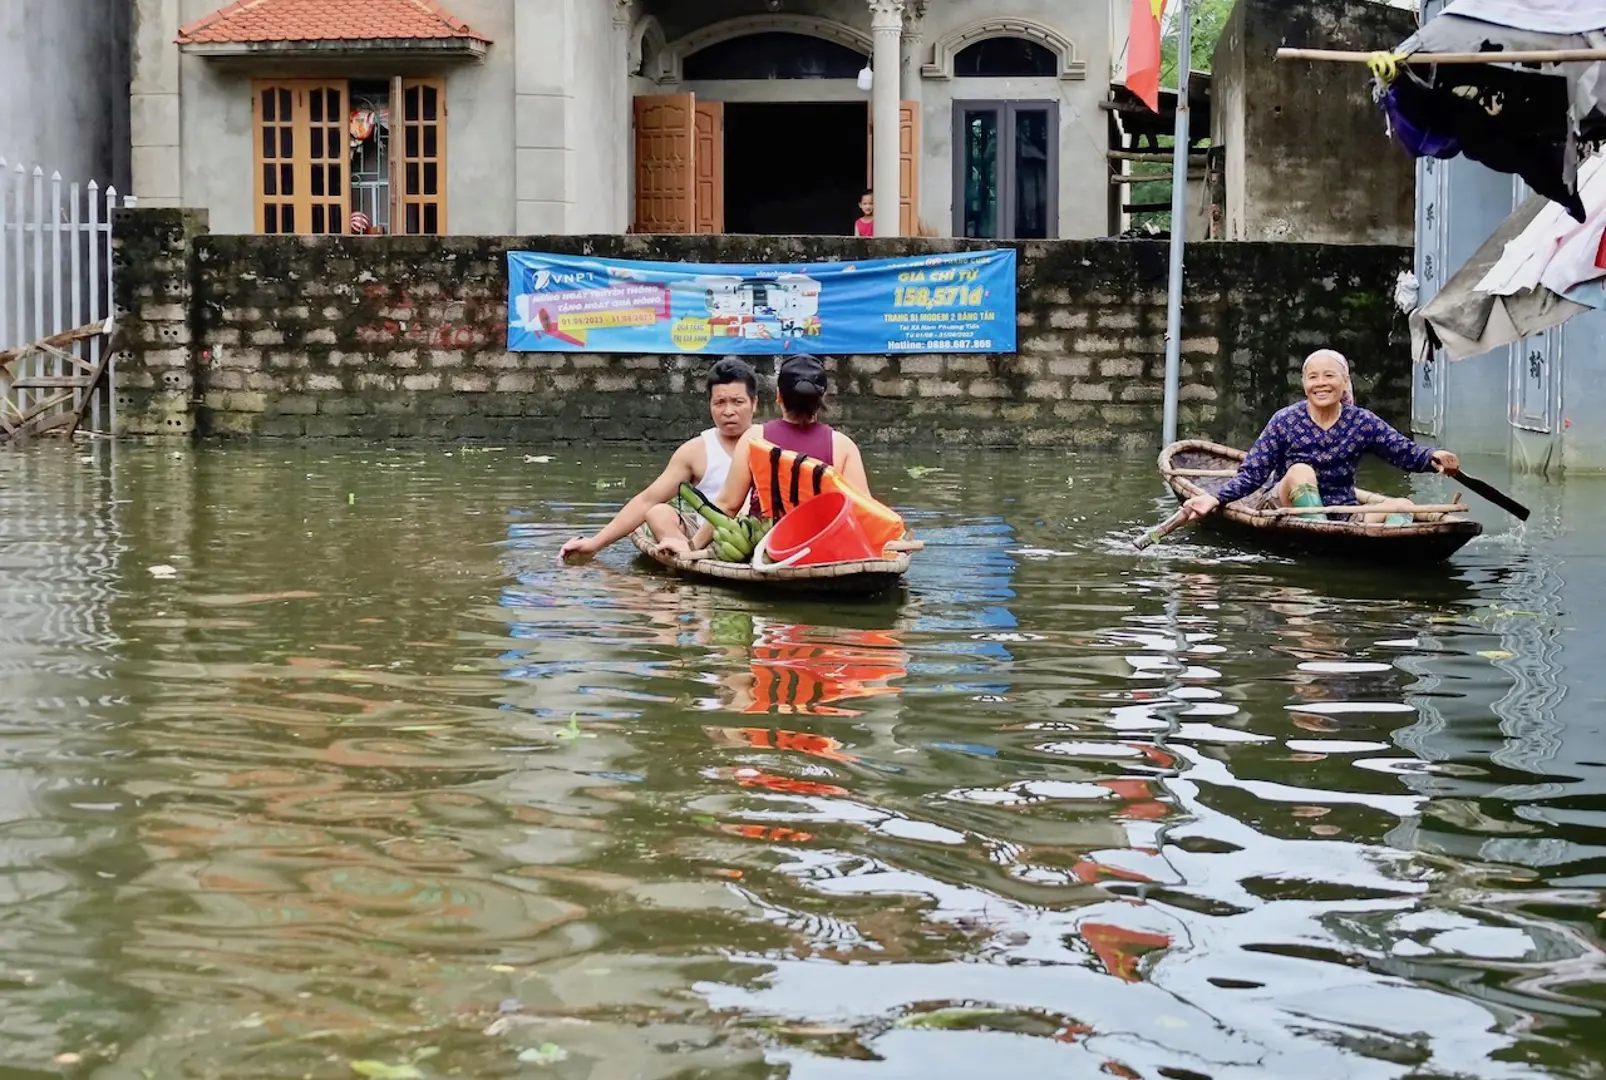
(1554, 250)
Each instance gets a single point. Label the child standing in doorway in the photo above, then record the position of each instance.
(865, 226)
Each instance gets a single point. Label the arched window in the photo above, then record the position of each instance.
(1000, 57)
(773, 55)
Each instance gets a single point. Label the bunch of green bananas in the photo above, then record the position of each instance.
(735, 538)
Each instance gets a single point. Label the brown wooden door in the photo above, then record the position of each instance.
(420, 125)
(709, 199)
(908, 165)
(909, 168)
(666, 190)
(299, 131)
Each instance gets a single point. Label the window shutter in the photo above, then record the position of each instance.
(421, 155)
(300, 156)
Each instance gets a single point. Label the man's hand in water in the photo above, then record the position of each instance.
(579, 549)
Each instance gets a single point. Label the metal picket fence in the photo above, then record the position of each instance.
(55, 278)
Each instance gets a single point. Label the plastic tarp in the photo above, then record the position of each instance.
(1457, 30)
(1467, 321)
(1541, 16)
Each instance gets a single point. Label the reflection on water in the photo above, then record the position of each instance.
(367, 777)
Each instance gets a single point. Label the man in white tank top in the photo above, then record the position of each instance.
(702, 462)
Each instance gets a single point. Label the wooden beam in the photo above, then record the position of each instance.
(1146, 208)
(56, 341)
(91, 386)
(395, 143)
(1514, 56)
(1136, 178)
(1162, 158)
(39, 408)
(49, 382)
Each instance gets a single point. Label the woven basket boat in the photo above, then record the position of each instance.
(1195, 467)
(869, 577)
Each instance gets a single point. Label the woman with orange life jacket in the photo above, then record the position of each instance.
(801, 386)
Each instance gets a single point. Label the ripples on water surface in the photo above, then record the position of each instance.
(370, 778)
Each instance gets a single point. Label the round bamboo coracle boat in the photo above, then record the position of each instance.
(868, 577)
(1196, 467)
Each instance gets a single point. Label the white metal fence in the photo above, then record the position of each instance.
(55, 276)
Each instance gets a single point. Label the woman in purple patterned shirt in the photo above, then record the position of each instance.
(1311, 450)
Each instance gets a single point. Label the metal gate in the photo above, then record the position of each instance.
(55, 300)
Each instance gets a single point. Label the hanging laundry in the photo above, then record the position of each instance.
(1417, 141)
(1511, 121)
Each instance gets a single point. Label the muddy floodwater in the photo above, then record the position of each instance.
(315, 763)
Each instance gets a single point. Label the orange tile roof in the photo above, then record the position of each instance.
(325, 20)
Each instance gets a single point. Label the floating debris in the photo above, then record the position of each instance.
(545, 1054)
(379, 1070)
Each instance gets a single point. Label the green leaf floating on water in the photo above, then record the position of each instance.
(545, 1054)
(573, 730)
(918, 471)
(381, 1071)
(948, 1019)
(1496, 654)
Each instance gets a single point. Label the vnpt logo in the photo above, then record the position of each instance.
(545, 278)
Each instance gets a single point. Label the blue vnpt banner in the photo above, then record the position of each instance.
(959, 302)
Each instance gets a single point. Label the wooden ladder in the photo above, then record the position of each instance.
(64, 409)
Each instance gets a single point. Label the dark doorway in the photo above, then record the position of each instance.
(795, 169)
(774, 56)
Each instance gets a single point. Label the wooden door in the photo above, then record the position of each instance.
(666, 190)
(909, 168)
(709, 198)
(421, 163)
(908, 165)
(327, 158)
(299, 132)
(278, 188)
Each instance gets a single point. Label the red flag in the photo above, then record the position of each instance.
(1143, 52)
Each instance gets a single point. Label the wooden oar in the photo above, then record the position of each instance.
(1170, 524)
(1499, 498)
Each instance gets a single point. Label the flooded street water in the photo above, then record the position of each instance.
(367, 777)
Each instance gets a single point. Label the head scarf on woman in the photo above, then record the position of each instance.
(1343, 364)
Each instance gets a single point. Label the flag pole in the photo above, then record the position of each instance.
(1179, 210)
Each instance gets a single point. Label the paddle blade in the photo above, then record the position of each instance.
(1494, 495)
(1169, 525)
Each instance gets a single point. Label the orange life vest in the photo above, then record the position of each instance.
(784, 479)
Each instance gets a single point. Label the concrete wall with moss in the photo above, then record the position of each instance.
(405, 337)
(1323, 168)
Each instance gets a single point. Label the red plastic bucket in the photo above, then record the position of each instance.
(821, 530)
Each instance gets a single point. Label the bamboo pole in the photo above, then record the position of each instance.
(1430, 508)
(1516, 56)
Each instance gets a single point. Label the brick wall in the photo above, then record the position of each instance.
(402, 337)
